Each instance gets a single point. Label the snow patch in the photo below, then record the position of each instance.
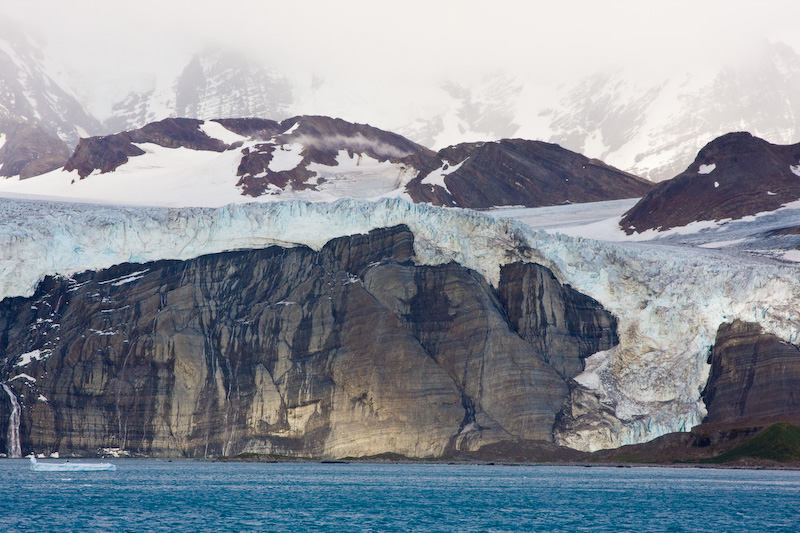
(795, 170)
(436, 177)
(2, 140)
(716, 184)
(122, 280)
(36, 355)
(286, 157)
(215, 130)
(707, 169)
(24, 376)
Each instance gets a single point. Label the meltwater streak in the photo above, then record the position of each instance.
(14, 449)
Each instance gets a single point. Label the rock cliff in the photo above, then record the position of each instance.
(350, 351)
(755, 378)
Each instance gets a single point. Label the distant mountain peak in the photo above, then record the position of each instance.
(733, 176)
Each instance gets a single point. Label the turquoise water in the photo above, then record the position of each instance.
(150, 495)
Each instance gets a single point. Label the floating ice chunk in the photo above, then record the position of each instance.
(716, 184)
(707, 169)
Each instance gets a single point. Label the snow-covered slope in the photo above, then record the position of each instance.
(196, 163)
(669, 299)
(30, 92)
(648, 121)
(189, 162)
(215, 83)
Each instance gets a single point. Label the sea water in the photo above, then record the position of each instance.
(178, 496)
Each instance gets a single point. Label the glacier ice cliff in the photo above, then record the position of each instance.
(669, 301)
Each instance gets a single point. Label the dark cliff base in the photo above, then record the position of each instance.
(708, 445)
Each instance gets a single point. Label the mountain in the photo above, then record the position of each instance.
(194, 162)
(27, 150)
(215, 83)
(589, 344)
(521, 172)
(348, 351)
(734, 176)
(30, 93)
(648, 121)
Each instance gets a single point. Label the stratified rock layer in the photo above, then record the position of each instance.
(755, 378)
(349, 351)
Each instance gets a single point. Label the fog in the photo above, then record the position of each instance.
(113, 47)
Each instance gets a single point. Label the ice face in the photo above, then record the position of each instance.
(669, 300)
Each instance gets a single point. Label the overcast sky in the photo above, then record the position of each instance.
(115, 46)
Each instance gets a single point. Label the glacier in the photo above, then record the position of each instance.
(669, 299)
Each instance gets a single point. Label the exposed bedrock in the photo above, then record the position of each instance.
(353, 350)
(755, 378)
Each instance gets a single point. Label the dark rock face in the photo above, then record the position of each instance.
(107, 153)
(29, 150)
(352, 350)
(749, 176)
(529, 173)
(755, 378)
(564, 325)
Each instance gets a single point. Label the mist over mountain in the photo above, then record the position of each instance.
(648, 121)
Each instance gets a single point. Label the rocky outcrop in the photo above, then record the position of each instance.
(734, 176)
(107, 153)
(322, 140)
(27, 150)
(350, 351)
(522, 172)
(322, 158)
(564, 325)
(754, 380)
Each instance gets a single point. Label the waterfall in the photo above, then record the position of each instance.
(12, 445)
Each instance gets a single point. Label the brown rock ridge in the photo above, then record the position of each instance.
(522, 172)
(107, 153)
(349, 351)
(478, 175)
(733, 176)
